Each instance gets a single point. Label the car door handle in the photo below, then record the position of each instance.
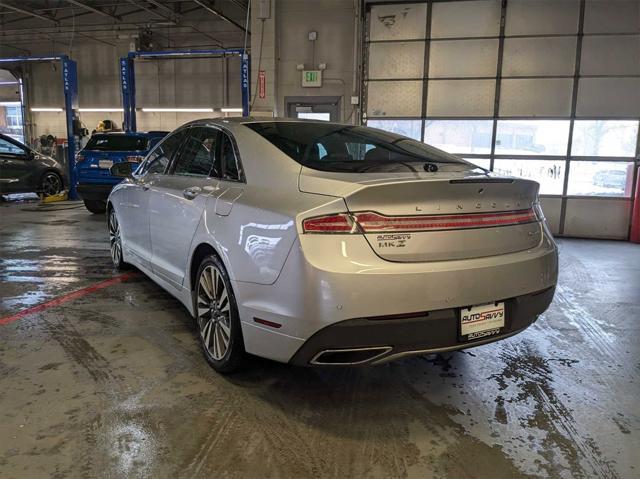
(191, 193)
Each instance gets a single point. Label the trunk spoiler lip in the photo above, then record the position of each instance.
(483, 180)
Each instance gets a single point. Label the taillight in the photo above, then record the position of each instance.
(371, 222)
(135, 159)
(338, 223)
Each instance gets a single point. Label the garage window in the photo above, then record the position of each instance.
(549, 173)
(604, 138)
(601, 178)
(459, 136)
(532, 137)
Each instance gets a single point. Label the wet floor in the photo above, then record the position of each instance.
(112, 384)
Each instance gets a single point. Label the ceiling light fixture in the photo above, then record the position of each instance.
(177, 110)
(41, 109)
(96, 110)
(231, 110)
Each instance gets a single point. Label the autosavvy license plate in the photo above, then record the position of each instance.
(482, 320)
(106, 164)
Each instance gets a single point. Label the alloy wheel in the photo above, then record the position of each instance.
(115, 241)
(214, 312)
(51, 184)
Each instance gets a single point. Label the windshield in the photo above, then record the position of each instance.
(117, 143)
(345, 148)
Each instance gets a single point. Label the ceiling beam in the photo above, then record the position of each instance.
(6, 45)
(28, 12)
(210, 8)
(161, 6)
(172, 18)
(94, 10)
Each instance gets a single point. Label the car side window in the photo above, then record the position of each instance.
(9, 148)
(229, 164)
(198, 155)
(159, 159)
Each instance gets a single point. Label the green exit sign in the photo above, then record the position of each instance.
(311, 78)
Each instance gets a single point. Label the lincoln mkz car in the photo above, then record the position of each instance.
(317, 243)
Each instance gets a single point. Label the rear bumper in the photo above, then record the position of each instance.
(93, 192)
(381, 340)
(326, 282)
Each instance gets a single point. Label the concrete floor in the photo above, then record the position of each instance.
(113, 384)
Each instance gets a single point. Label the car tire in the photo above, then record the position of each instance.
(115, 241)
(51, 184)
(96, 206)
(216, 316)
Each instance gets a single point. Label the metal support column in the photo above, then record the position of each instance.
(70, 84)
(128, 84)
(245, 68)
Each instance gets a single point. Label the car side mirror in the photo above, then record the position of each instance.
(123, 169)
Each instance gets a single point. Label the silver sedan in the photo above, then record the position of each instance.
(318, 243)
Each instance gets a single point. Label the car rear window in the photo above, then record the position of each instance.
(346, 148)
(117, 143)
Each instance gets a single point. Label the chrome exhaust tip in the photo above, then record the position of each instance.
(349, 357)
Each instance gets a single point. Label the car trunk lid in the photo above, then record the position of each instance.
(447, 215)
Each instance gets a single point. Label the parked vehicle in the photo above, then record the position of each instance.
(24, 170)
(611, 179)
(317, 243)
(94, 182)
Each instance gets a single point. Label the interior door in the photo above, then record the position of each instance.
(177, 201)
(135, 218)
(15, 168)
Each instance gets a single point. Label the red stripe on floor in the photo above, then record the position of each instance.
(67, 297)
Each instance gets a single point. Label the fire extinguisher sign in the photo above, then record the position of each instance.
(262, 84)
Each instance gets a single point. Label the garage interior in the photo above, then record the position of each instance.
(101, 374)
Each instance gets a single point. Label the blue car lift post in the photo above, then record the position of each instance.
(70, 87)
(128, 81)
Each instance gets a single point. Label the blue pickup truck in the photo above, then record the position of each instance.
(94, 181)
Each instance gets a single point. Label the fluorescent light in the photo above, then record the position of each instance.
(101, 109)
(9, 83)
(9, 103)
(231, 110)
(178, 110)
(46, 109)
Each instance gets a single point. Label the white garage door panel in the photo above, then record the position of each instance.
(536, 97)
(539, 56)
(598, 218)
(463, 58)
(608, 97)
(610, 55)
(396, 60)
(404, 21)
(480, 18)
(394, 98)
(527, 17)
(612, 16)
(460, 97)
(551, 208)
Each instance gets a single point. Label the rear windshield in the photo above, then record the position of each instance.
(117, 143)
(345, 148)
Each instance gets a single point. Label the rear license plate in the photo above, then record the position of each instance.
(106, 164)
(481, 321)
